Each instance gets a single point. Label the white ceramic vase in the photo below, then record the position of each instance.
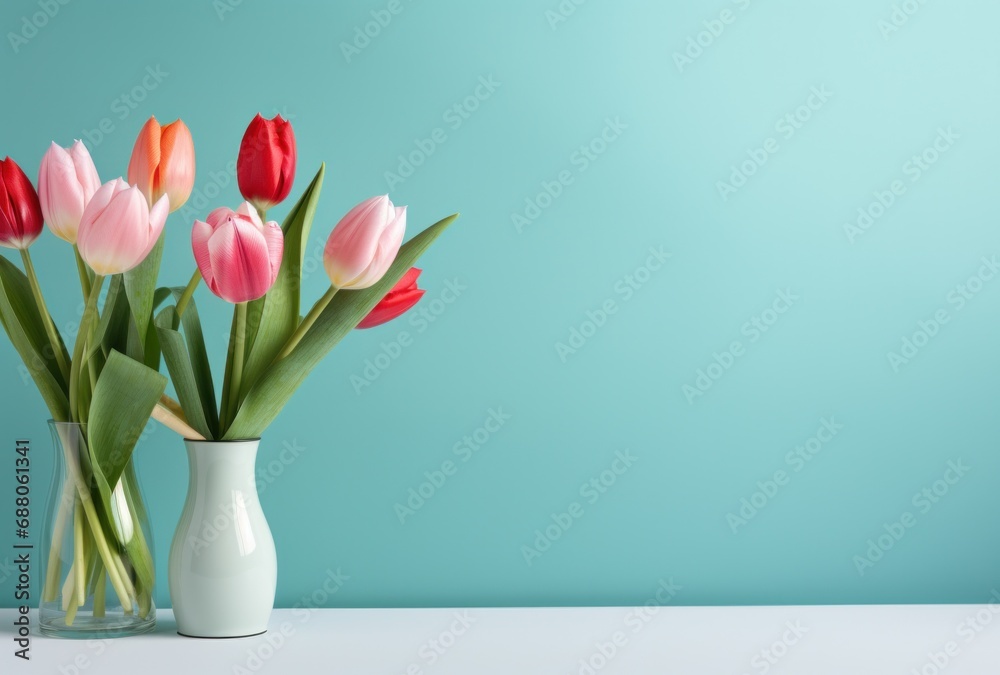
(223, 567)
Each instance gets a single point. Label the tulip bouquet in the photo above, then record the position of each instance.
(102, 393)
(108, 385)
(256, 265)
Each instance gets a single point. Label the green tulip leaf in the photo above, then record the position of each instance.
(125, 395)
(134, 348)
(140, 286)
(227, 377)
(115, 510)
(137, 548)
(187, 363)
(23, 323)
(275, 387)
(272, 319)
(151, 348)
(113, 326)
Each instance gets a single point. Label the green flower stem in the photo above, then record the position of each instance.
(93, 560)
(126, 580)
(68, 592)
(50, 329)
(99, 591)
(145, 601)
(79, 554)
(107, 557)
(307, 323)
(133, 500)
(51, 590)
(89, 312)
(83, 491)
(92, 371)
(71, 610)
(185, 298)
(239, 351)
(84, 272)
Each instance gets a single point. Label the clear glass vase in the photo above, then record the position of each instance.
(96, 546)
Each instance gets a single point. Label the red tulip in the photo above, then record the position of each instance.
(20, 213)
(265, 169)
(402, 297)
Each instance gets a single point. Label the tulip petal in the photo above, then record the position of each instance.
(115, 241)
(157, 219)
(118, 229)
(219, 216)
(391, 308)
(201, 232)
(86, 172)
(274, 238)
(22, 212)
(369, 217)
(9, 231)
(239, 257)
(258, 166)
(385, 252)
(100, 201)
(354, 241)
(145, 158)
(175, 173)
(407, 280)
(8, 234)
(250, 211)
(14, 206)
(402, 297)
(60, 193)
(286, 142)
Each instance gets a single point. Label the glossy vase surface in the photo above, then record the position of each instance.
(223, 567)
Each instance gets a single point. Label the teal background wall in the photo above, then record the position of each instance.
(615, 109)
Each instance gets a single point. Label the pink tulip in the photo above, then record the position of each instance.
(118, 229)
(162, 162)
(238, 255)
(364, 243)
(67, 179)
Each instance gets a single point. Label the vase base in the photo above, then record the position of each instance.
(221, 637)
(96, 628)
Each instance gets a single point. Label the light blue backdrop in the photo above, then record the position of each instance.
(661, 270)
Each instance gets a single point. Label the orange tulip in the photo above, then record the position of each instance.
(163, 162)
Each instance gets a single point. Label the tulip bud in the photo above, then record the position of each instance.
(20, 213)
(364, 243)
(67, 179)
(265, 169)
(118, 229)
(163, 162)
(401, 298)
(238, 256)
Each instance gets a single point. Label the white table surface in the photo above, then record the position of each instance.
(676, 640)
